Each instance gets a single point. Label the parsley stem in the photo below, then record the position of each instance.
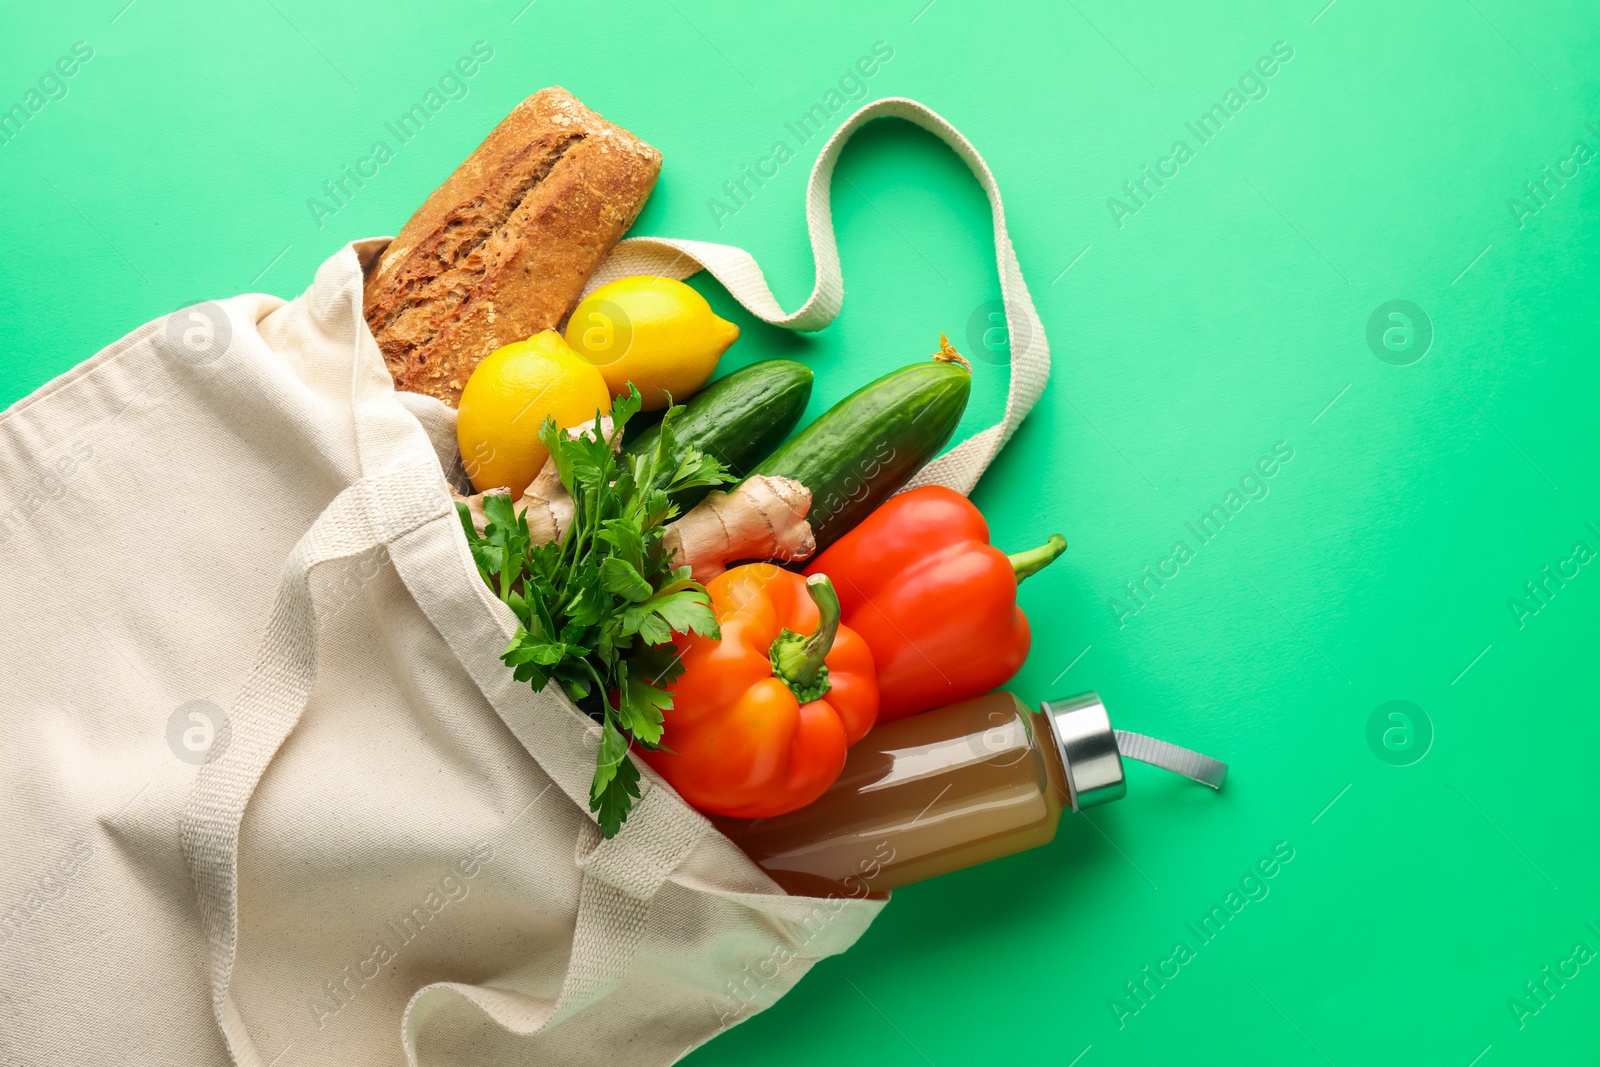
(600, 688)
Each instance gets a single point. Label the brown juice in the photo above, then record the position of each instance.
(920, 797)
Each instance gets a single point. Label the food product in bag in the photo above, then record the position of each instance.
(864, 448)
(503, 249)
(934, 600)
(656, 334)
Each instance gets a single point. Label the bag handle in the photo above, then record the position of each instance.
(620, 876)
(372, 512)
(737, 270)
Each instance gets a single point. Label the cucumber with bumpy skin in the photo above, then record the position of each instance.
(738, 419)
(864, 448)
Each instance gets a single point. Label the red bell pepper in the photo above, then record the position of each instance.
(936, 603)
(761, 718)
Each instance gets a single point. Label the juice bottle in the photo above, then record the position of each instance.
(949, 788)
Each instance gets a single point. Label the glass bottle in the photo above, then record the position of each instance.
(936, 792)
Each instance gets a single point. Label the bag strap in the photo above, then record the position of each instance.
(737, 270)
(620, 876)
(372, 512)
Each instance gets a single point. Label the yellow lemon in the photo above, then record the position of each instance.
(508, 398)
(657, 333)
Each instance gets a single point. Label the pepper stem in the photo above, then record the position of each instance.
(798, 659)
(1035, 560)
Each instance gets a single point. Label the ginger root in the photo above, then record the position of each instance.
(546, 500)
(764, 517)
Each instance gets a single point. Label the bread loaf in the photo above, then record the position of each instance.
(503, 248)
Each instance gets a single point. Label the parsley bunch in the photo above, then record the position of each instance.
(598, 608)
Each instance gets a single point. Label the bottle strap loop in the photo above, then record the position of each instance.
(1170, 757)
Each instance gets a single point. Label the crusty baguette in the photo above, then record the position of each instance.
(503, 248)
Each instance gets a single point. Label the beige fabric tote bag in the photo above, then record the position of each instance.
(270, 798)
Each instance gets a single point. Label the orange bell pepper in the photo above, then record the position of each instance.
(760, 719)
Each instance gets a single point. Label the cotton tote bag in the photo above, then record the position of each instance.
(269, 797)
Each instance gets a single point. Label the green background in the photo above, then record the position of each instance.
(1224, 317)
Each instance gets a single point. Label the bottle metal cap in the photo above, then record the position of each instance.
(1092, 752)
(1088, 749)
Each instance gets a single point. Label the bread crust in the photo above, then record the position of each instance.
(503, 249)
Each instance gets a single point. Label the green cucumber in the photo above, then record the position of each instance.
(739, 418)
(868, 445)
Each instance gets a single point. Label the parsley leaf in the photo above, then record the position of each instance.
(623, 578)
(599, 609)
(682, 610)
(616, 782)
